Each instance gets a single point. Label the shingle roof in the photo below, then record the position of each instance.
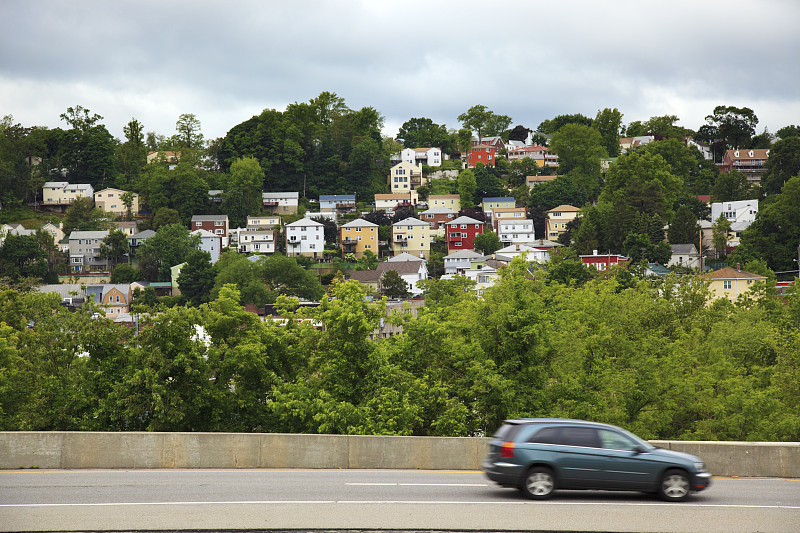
(732, 273)
(403, 267)
(464, 220)
(410, 221)
(360, 223)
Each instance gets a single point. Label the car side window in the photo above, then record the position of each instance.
(615, 441)
(547, 436)
(575, 436)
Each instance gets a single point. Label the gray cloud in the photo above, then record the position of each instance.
(224, 62)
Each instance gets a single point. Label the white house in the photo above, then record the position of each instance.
(684, 255)
(432, 157)
(305, 237)
(512, 231)
(738, 211)
(211, 243)
(256, 241)
(460, 261)
(508, 253)
(412, 271)
(284, 203)
(62, 192)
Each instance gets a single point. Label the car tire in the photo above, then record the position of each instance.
(674, 486)
(539, 483)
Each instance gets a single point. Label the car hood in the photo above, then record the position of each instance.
(673, 455)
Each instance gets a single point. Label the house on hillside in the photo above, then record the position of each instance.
(216, 224)
(211, 243)
(405, 177)
(557, 219)
(411, 272)
(460, 233)
(450, 201)
(684, 255)
(280, 203)
(337, 203)
(358, 236)
(84, 250)
(110, 200)
(730, 282)
(482, 153)
(305, 237)
(750, 162)
(602, 261)
(411, 235)
(511, 231)
(432, 157)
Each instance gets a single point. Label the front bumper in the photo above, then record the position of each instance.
(701, 481)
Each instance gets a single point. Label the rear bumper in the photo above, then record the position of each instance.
(506, 474)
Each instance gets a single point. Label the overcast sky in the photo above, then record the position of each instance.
(532, 60)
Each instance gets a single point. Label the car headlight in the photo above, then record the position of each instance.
(700, 466)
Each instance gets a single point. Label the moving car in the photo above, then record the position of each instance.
(540, 455)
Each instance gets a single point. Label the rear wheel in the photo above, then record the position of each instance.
(539, 483)
(674, 486)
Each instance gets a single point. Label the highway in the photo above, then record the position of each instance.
(117, 500)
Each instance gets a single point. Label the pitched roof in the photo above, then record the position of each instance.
(365, 276)
(410, 221)
(683, 249)
(360, 223)
(564, 208)
(464, 220)
(500, 199)
(405, 256)
(336, 197)
(732, 273)
(209, 218)
(403, 267)
(304, 222)
(438, 210)
(464, 254)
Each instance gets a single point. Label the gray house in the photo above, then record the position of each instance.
(84, 250)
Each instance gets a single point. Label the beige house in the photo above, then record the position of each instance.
(505, 214)
(110, 200)
(405, 177)
(557, 219)
(63, 192)
(411, 236)
(358, 236)
(731, 283)
(390, 202)
(450, 201)
(263, 222)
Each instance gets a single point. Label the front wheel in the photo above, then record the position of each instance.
(674, 486)
(539, 483)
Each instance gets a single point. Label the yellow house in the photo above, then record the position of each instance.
(404, 177)
(450, 201)
(358, 236)
(411, 236)
(557, 219)
(110, 200)
(731, 283)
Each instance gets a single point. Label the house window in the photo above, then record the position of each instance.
(218, 231)
(726, 285)
(218, 223)
(198, 224)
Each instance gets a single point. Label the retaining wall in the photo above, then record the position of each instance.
(75, 450)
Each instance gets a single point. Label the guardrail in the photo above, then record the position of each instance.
(85, 450)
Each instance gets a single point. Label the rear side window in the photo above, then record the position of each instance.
(507, 432)
(547, 436)
(577, 436)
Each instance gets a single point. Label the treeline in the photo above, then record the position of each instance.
(658, 358)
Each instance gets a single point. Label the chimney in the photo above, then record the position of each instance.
(738, 267)
(594, 252)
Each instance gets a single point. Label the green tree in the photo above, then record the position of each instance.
(21, 256)
(483, 121)
(114, 247)
(423, 133)
(487, 242)
(783, 163)
(170, 246)
(788, 131)
(166, 216)
(127, 200)
(82, 215)
(467, 187)
(735, 125)
(684, 228)
(608, 122)
(731, 186)
(242, 196)
(285, 276)
(125, 273)
(393, 285)
(554, 124)
(196, 278)
(189, 131)
(241, 273)
(719, 233)
(579, 148)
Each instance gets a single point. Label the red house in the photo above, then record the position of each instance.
(483, 153)
(461, 232)
(602, 261)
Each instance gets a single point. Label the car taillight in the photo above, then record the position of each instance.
(507, 449)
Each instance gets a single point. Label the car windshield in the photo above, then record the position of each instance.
(641, 442)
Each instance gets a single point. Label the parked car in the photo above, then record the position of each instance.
(540, 455)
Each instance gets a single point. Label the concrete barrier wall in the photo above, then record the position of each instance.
(75, 450)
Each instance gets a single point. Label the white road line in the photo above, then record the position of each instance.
(417, 484)
(396, 502)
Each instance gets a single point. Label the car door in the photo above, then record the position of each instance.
(579, 459)
(625, 466)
